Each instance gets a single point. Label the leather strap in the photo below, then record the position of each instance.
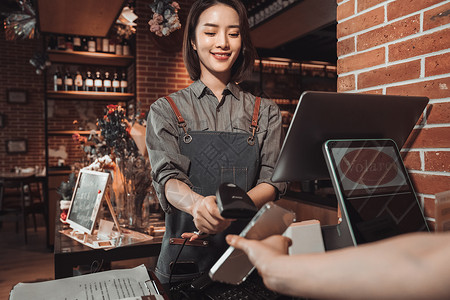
(179, 241)
(256, 112)
(175, 110)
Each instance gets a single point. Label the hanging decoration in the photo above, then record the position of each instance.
(165, 17)
(40, 61)
(125, 25)
(21, 24)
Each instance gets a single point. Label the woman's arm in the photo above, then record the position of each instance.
(262, 193)
(413, 266)
(204, 209)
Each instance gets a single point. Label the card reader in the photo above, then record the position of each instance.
(234, 203)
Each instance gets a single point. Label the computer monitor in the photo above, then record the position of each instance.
(321, 116)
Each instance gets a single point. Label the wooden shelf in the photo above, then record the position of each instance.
(82, 95)
(71, 132)
(89, 58)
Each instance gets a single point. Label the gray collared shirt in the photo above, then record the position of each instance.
(202, 111)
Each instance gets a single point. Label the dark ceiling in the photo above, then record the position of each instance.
(319, 45)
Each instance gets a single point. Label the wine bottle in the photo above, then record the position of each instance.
(107, 83)
(123, 83)
(98, 43)
(91, 44)
(105, 45)
(78, 83)
(61, 42)
(119, 48)
(57, 81)
(76, 43)
(112, 46)
(89, 82)
(52, 42)
(116, 83)
(98, 82)
(84, 44)
(69, 43)
(68, 81)
(126, 47)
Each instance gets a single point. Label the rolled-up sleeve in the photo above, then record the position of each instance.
(271, 146)
(162, 144)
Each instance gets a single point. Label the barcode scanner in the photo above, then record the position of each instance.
(234, 203)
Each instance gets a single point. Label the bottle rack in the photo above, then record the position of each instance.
(58, 128)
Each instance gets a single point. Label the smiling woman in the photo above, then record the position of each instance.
(210, 133)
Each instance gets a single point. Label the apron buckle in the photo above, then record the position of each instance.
(187, 137)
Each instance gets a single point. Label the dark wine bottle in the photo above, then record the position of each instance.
(77, 43)
(68, 81)
(78, 82)
(107, 83)
(57, 81)
(116, 83)
(69, 43)
(89, 82)
(98, 82)
(124, 83)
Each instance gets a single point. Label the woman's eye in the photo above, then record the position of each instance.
(210, 33)
(235, 35)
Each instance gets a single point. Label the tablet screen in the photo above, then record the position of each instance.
(373, 185)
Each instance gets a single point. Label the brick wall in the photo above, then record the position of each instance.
(159, 64)
(21, 120)
(402, 48)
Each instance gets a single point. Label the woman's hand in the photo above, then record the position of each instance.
(207, 218)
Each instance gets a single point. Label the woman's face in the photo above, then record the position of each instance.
(217, 41)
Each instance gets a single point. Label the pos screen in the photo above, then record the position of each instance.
(374, 191)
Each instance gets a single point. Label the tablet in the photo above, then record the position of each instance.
(86, 199)
(233, 266)
(374, 191)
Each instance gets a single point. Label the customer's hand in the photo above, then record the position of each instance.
(261, 253)
(207, 217)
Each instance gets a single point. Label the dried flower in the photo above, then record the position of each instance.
(165, 17)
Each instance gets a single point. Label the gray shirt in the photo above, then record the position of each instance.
(202, 111)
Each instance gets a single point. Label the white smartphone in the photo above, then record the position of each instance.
(233, 266)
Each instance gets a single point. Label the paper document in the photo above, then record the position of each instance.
(115, 284)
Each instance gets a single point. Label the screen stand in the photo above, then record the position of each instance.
(339, 235)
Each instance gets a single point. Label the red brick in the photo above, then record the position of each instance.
(345, 46)
(345, 10)
(389, 74)
(346, 83)
(436, 17)
(401, 8)
(437, 65)
(360, 61)
(438, 161)
(425, 44)
(433, 89)
(436, 137)
(411, 159)
(430, 184)
(439, 113)
(429, 208)
(363, 5)
(361, 22)
(388, 33)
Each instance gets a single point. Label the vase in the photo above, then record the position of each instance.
(131, 186)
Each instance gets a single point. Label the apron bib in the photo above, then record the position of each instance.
(216, 157)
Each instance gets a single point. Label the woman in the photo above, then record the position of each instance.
(209, 133)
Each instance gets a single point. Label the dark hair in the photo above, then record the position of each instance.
(244, 62)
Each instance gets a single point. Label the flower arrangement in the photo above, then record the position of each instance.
(115, 130)
(165, 17)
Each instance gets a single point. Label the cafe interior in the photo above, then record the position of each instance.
(78, 78)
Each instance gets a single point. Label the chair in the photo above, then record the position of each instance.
(20, 197)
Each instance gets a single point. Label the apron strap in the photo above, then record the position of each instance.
(254, 126)
(181, 122)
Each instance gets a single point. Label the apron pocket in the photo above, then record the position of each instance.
(235, 175)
